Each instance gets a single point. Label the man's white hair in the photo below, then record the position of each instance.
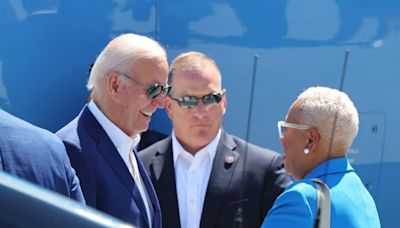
(120, 55)
(321, 107)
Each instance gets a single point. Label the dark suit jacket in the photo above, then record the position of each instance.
(106, 181)
(253, 181)
(36, 155)
(150, 137)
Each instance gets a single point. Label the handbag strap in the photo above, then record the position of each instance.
(323, 204)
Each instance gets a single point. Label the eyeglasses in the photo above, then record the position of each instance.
(154, 90)
(282, 125)
(192, 101)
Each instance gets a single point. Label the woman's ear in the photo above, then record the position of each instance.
(313, 138)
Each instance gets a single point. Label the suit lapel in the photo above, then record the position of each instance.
(111, 155)
(151, 192)
(220, 178)
(162, 169)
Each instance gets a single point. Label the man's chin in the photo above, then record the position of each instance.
(141, 128)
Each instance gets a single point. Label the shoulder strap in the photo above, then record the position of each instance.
(323, 204)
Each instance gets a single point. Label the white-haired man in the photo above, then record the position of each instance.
(127, 84)
(316, 135)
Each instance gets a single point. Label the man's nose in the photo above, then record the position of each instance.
(200, 110)
(159, 101)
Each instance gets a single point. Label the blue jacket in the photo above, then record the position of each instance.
(106, 182)
(351, 203)
(36, 155)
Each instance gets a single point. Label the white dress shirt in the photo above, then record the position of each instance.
(124, 145)
(192, 175)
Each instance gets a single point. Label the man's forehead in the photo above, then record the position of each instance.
(197, 74)
(149, 68)
(152, 60)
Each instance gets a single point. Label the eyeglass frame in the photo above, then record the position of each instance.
(149, 88)
(179, 100)
(282, 124)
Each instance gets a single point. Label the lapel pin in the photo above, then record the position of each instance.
(229, 159)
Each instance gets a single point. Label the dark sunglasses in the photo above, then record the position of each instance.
(154, 90)
(192, 101)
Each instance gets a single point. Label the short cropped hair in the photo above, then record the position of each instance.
(120, 55)
(191, 60)
(321, 107)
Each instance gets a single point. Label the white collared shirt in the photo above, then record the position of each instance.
(192, 175)
(124, 144)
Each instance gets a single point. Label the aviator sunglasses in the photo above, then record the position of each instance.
(154, 90)
(192, 101)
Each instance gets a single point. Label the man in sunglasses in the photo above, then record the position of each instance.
(127, 84)
(205, 177)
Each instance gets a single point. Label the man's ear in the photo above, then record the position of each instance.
(113, 84)
(168, 104)
(224, 103)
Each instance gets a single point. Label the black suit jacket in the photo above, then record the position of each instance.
(150, 137)
(253, 181)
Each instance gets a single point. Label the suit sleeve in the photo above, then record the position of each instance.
(59, 160)
(85, 175)
(73, 181)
